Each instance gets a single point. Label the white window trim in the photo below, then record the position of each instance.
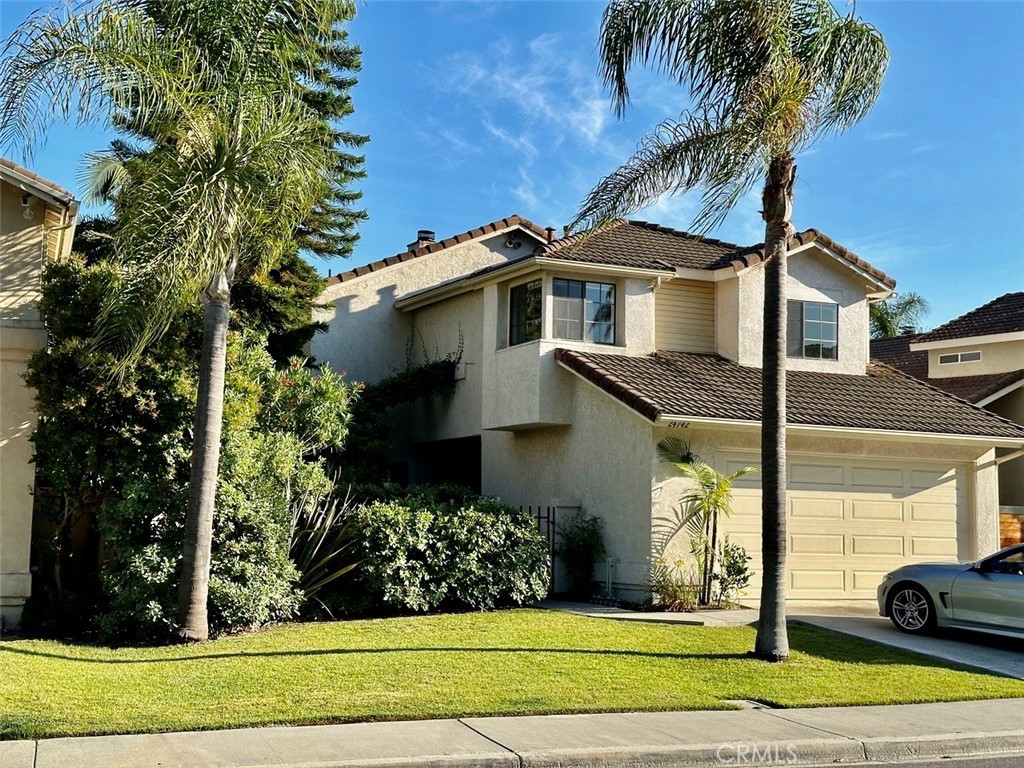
(958, 356)
(615, 316)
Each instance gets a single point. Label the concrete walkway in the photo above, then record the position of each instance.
(739, 617)
(1004, 656)
(793, 736)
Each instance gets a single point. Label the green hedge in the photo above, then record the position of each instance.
(446, 549)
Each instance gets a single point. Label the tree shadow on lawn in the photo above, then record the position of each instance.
(809, 641)
(834, 646)
(355, 651)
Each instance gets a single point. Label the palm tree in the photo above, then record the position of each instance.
(767, 79)
(702, 506)
(898, 315)
(235, 162)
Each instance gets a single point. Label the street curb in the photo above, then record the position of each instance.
(942, 746)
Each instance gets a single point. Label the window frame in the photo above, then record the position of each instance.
(804, 338)
(586, 326)
(539, 321)
(960, 357)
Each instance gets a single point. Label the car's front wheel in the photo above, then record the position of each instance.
(911, 610)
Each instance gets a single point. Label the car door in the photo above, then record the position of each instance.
(992, 593)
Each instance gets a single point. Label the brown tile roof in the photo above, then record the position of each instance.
(896, 352)
(642, 245)
(35, 179)
(651, 246)
(440, 245)
(708, 386)
(976, 388)
(1002, 315)
(756, 254)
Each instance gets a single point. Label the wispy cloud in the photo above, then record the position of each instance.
(886, 135)
(890, 249)
(532, 102)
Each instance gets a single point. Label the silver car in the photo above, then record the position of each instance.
(986, 596)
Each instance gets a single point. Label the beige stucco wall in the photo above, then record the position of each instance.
(996, 357)
(603, 462)
(22, 254)
(1011, 473)
(813, 276)
(523, 385)
(437, 332)
(367, 337)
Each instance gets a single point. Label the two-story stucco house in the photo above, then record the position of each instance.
(37, 220)
(979, 357)
(580, 354)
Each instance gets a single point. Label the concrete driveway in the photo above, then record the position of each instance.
(1002, 655)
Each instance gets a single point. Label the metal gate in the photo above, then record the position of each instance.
(545, 517)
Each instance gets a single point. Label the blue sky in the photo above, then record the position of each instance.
(477, 110)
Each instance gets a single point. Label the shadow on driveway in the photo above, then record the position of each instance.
(1001, 655)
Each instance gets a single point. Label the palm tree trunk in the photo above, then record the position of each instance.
(194, 586)
(772, 642)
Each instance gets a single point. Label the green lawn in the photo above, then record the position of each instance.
(525, 661)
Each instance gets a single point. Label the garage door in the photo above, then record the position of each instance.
(850, 521)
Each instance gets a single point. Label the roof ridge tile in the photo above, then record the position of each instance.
(439, 245)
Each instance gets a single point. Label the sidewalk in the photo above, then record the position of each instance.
(793, 736)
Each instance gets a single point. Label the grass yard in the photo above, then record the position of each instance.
(510, 662)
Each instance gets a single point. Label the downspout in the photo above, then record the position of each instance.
(1010, 456)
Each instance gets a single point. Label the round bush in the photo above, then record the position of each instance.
(432, 551)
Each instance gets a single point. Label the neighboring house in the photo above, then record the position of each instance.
(37, 221)
(580, 354)
(979, 357)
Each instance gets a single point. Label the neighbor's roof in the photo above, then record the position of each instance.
(700, 386)
(24, 177)
(414, 253)
(644, 245)
(897, 353)
(1002, 315)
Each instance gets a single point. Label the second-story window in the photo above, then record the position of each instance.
(584, 311)
(524, 312)
(813, 330)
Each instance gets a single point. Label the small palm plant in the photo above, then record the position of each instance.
(702, 507)
(898, 315)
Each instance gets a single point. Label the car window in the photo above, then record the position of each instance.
(1012, 562)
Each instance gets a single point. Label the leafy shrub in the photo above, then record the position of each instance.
(734, 572)
(580, 546)
(115, 452)
(445, 549)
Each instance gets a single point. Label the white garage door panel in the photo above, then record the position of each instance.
(850, 521)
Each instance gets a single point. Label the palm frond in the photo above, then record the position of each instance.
(696, 151)
(849, 60)
(92, 63)
(898, 315)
